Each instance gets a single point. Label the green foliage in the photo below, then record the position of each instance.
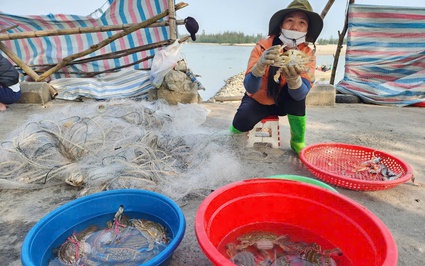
(227, 37)
(239, 37)
(331, 40)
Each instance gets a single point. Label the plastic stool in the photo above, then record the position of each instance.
(265, 131)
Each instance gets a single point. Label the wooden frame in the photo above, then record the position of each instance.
(341, 36)
(125, 30)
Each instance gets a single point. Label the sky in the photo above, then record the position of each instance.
(250, 17)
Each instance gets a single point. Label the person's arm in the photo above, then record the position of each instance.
(252, 83)
(301, 92)
(298, 87)
(266, 59)
(258, 62)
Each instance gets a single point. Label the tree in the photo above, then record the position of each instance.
(232, 37)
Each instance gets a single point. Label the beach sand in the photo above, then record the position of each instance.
(329, 49)
(395, 130)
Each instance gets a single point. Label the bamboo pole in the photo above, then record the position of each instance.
(91, 74)
(138, 61)
(25, 68)
(43, 33)
(117, 54)
(105, 42)
(8, 28)
(185, 38)
(172, 20)
(18, 61)
(340, 41)
(124, 66)
(111, 55)
(326, 9)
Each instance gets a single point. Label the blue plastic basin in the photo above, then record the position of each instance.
(55, 227)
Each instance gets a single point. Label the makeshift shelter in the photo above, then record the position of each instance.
(127, 34)
(385, 57)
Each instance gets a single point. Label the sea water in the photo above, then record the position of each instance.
(216, 63)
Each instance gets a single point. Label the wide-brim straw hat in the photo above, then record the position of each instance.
(315, 22)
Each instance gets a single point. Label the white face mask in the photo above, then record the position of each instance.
(292, 38)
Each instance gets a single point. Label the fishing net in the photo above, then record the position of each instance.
(119, 144)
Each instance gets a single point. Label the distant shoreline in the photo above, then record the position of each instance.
(328, 49)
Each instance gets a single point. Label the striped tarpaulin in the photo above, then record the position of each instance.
(385, 57)
(123, 84)
(52, 49)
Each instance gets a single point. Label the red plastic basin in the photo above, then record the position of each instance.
(360, 234)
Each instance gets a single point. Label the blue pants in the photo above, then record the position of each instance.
(250, 112)
(8, 96)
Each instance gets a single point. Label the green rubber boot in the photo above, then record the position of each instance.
(234, 130)
(297, 125)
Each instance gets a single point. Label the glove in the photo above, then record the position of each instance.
(266, 59)
(292, 76)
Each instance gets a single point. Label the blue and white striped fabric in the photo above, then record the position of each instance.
(123, 84)
(385, 57)
(52, 49)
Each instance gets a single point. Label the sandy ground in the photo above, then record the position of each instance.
(329, 49)
(398, 131)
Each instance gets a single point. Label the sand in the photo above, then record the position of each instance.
(329, 49)
(398, 131)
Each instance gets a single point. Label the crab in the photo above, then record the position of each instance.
(75, 179)
(120, 242)
(376, 170)
(155, 232)
(295, 57)
(291, 57)
(75, 247)
(313, 253)
(262, 241)
(245, 258)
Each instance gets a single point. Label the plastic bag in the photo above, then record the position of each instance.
(163, 62)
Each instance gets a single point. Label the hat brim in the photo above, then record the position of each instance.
(315, 23)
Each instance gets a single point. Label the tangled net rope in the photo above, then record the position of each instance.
(118, 144)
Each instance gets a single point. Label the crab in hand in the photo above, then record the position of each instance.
(291, 57)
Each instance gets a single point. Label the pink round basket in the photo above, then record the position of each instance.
(339, 164)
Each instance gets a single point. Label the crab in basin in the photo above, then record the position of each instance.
(75, 247)
(154, 232)
(262, 241)
(313, 253)
(244, 258)
(292, 57)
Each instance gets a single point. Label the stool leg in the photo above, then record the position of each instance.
(275, 135)
(251, 136)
